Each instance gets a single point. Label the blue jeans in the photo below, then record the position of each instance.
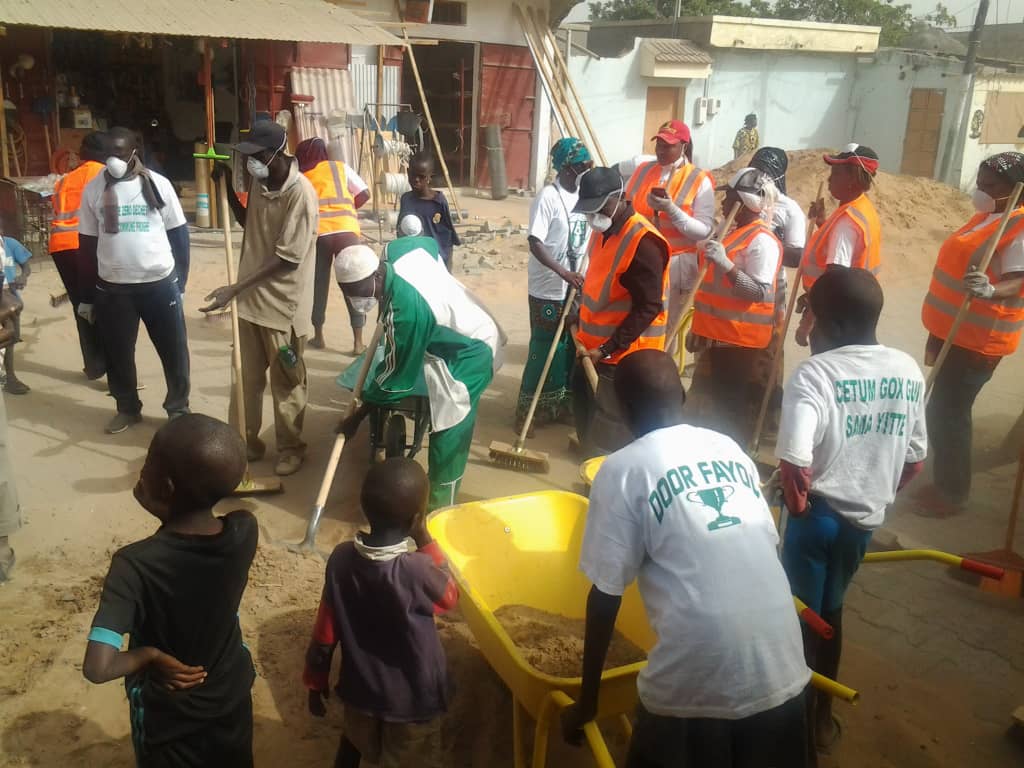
(821, 553)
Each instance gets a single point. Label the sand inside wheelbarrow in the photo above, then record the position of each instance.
(553, 644)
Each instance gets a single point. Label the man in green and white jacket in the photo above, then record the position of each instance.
(431, 324)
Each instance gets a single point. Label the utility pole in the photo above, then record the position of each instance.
(957, 134)
(675, 18)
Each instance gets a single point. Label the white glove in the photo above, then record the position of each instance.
(662, 204)
(87, 312)
(714, 252)
(978, 285)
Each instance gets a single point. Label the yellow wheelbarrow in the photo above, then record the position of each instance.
(524, 550)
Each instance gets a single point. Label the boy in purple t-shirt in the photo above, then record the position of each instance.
(378, 604)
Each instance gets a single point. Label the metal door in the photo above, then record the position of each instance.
(924, 125)
(508, 92)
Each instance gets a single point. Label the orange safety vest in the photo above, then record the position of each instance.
(682, 188)
(67, 197)
(720, 314)
(337, 209)
(990, 327)
(862, 213)
(605, 302)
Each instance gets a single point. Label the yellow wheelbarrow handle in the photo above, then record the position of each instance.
(834, 689)
(963, 563)
(550, 710)
(820, 627)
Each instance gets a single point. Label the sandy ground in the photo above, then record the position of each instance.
(939, 664)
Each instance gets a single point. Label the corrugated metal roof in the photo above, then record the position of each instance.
(307, 21)
(670, 51)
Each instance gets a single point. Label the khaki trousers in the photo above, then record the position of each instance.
(288, 386)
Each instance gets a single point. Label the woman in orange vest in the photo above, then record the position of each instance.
(991, 330)
(341, 193)
(622, 307)
(78, 276)
(852, 235)
(734, 310)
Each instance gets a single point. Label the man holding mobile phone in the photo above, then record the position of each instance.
(679, 199)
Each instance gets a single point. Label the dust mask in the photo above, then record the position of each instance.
(117, 167)
(600, 222)
(364, 305)
(259, 171)
(984, 202)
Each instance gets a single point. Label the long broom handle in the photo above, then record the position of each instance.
(585, 360)
(339, 443)
(724, 227)
(569, 299)
(236, 343)
(986, 258)
(755, 442)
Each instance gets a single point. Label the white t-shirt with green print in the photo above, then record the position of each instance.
(680, 511)
(563, 232)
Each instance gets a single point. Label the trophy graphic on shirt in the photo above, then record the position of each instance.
(715, 498)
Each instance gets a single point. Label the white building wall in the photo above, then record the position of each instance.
(487, 21)
(881, 102)
(974, 150)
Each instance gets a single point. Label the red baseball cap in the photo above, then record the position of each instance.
(673, 132)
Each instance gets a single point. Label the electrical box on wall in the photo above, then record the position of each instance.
(701, 115)
(714, 106)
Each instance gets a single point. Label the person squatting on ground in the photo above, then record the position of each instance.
(187, 673)
(679, 200)
(133, 235)
(990, 332)
(558, 243)
(734, 310)
(622, 309)
(852, 435)
(77, 273)
(680, 511)
(433, 328)
(274, 291)
(378, 604)
(429, 206)
(852, 235)
(341, 193)
(15, 258)
(10, 510)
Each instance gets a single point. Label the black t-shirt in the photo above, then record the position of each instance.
(180, 593)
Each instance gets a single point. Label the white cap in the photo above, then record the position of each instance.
(410, 226)
(355, 263)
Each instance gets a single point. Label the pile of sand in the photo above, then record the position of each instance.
(553, 644)
(917, 214)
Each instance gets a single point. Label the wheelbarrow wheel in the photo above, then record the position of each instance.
(394, 436)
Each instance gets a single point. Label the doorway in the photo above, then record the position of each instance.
(446, 70)
(924, 125)
(662, 105)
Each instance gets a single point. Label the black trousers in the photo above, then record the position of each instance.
(776, 738)
(77, 282)
(119, 308)
(224, 743)
(949, 420)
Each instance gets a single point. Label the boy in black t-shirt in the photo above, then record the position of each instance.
(429, 206)
(378, 604)
(187, 673)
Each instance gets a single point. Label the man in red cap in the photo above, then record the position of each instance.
(852, 235)
(679, 199)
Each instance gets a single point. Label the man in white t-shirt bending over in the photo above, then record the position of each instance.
(852, 434)
(680, 510)
(132, 229)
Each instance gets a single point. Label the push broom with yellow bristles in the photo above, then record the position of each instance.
(516, 456)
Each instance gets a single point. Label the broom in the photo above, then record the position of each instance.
(724, 227)
(249, 486)
(516, 456)
(306, 545)
(755, 441)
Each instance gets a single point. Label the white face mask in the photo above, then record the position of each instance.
(984, 202)
(600, 222)
(364, 305)
(259, 171)
(117, 167)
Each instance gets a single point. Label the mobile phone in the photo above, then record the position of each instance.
(659, 192)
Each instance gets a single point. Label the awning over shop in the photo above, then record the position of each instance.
(305, 21)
